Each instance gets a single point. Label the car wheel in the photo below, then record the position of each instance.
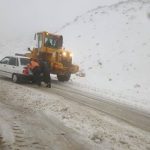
(15, 78)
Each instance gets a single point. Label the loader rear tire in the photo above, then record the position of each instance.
(64, 77)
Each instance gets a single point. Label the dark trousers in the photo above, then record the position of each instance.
(36, 75)
(46, 78)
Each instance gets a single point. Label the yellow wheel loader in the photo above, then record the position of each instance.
(50, 48)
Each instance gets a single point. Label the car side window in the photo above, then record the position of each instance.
(5, 60)
(13, 61)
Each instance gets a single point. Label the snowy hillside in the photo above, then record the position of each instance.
(111, 44)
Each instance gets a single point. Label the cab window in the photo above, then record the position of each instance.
(39, 40)
(51, 41)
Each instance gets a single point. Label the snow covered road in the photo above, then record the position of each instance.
(22, 128)
(62, 118)
(136, 117)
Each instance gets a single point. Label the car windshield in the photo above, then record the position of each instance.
(24, 61)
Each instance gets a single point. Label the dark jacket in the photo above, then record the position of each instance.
(44, 67)
(45, 70)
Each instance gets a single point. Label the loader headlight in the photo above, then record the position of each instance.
(71, 54)
(64, 54)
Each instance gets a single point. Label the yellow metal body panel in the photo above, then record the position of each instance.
(59, 64)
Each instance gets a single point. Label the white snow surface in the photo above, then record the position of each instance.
(96, 127)
(111, 45)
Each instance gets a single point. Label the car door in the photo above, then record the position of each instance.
(13, 65)
(4, 63)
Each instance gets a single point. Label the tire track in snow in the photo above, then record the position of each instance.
(19, 137)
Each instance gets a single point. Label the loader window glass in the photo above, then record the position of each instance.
(39, 41)
(50, 42)
(54, 42)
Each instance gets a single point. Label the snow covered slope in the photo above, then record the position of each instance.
(112, 45)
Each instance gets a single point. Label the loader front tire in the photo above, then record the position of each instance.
(64, 77)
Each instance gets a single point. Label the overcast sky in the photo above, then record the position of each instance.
(33, 15)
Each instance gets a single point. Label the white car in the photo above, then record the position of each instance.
(15, 67)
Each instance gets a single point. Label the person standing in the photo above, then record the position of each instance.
(45, 70)
(35, 68)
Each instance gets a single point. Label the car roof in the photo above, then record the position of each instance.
(22, 57)
(18, 57)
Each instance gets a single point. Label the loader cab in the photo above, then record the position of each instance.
(48, 40)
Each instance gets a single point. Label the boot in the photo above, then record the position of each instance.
(48, 85)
